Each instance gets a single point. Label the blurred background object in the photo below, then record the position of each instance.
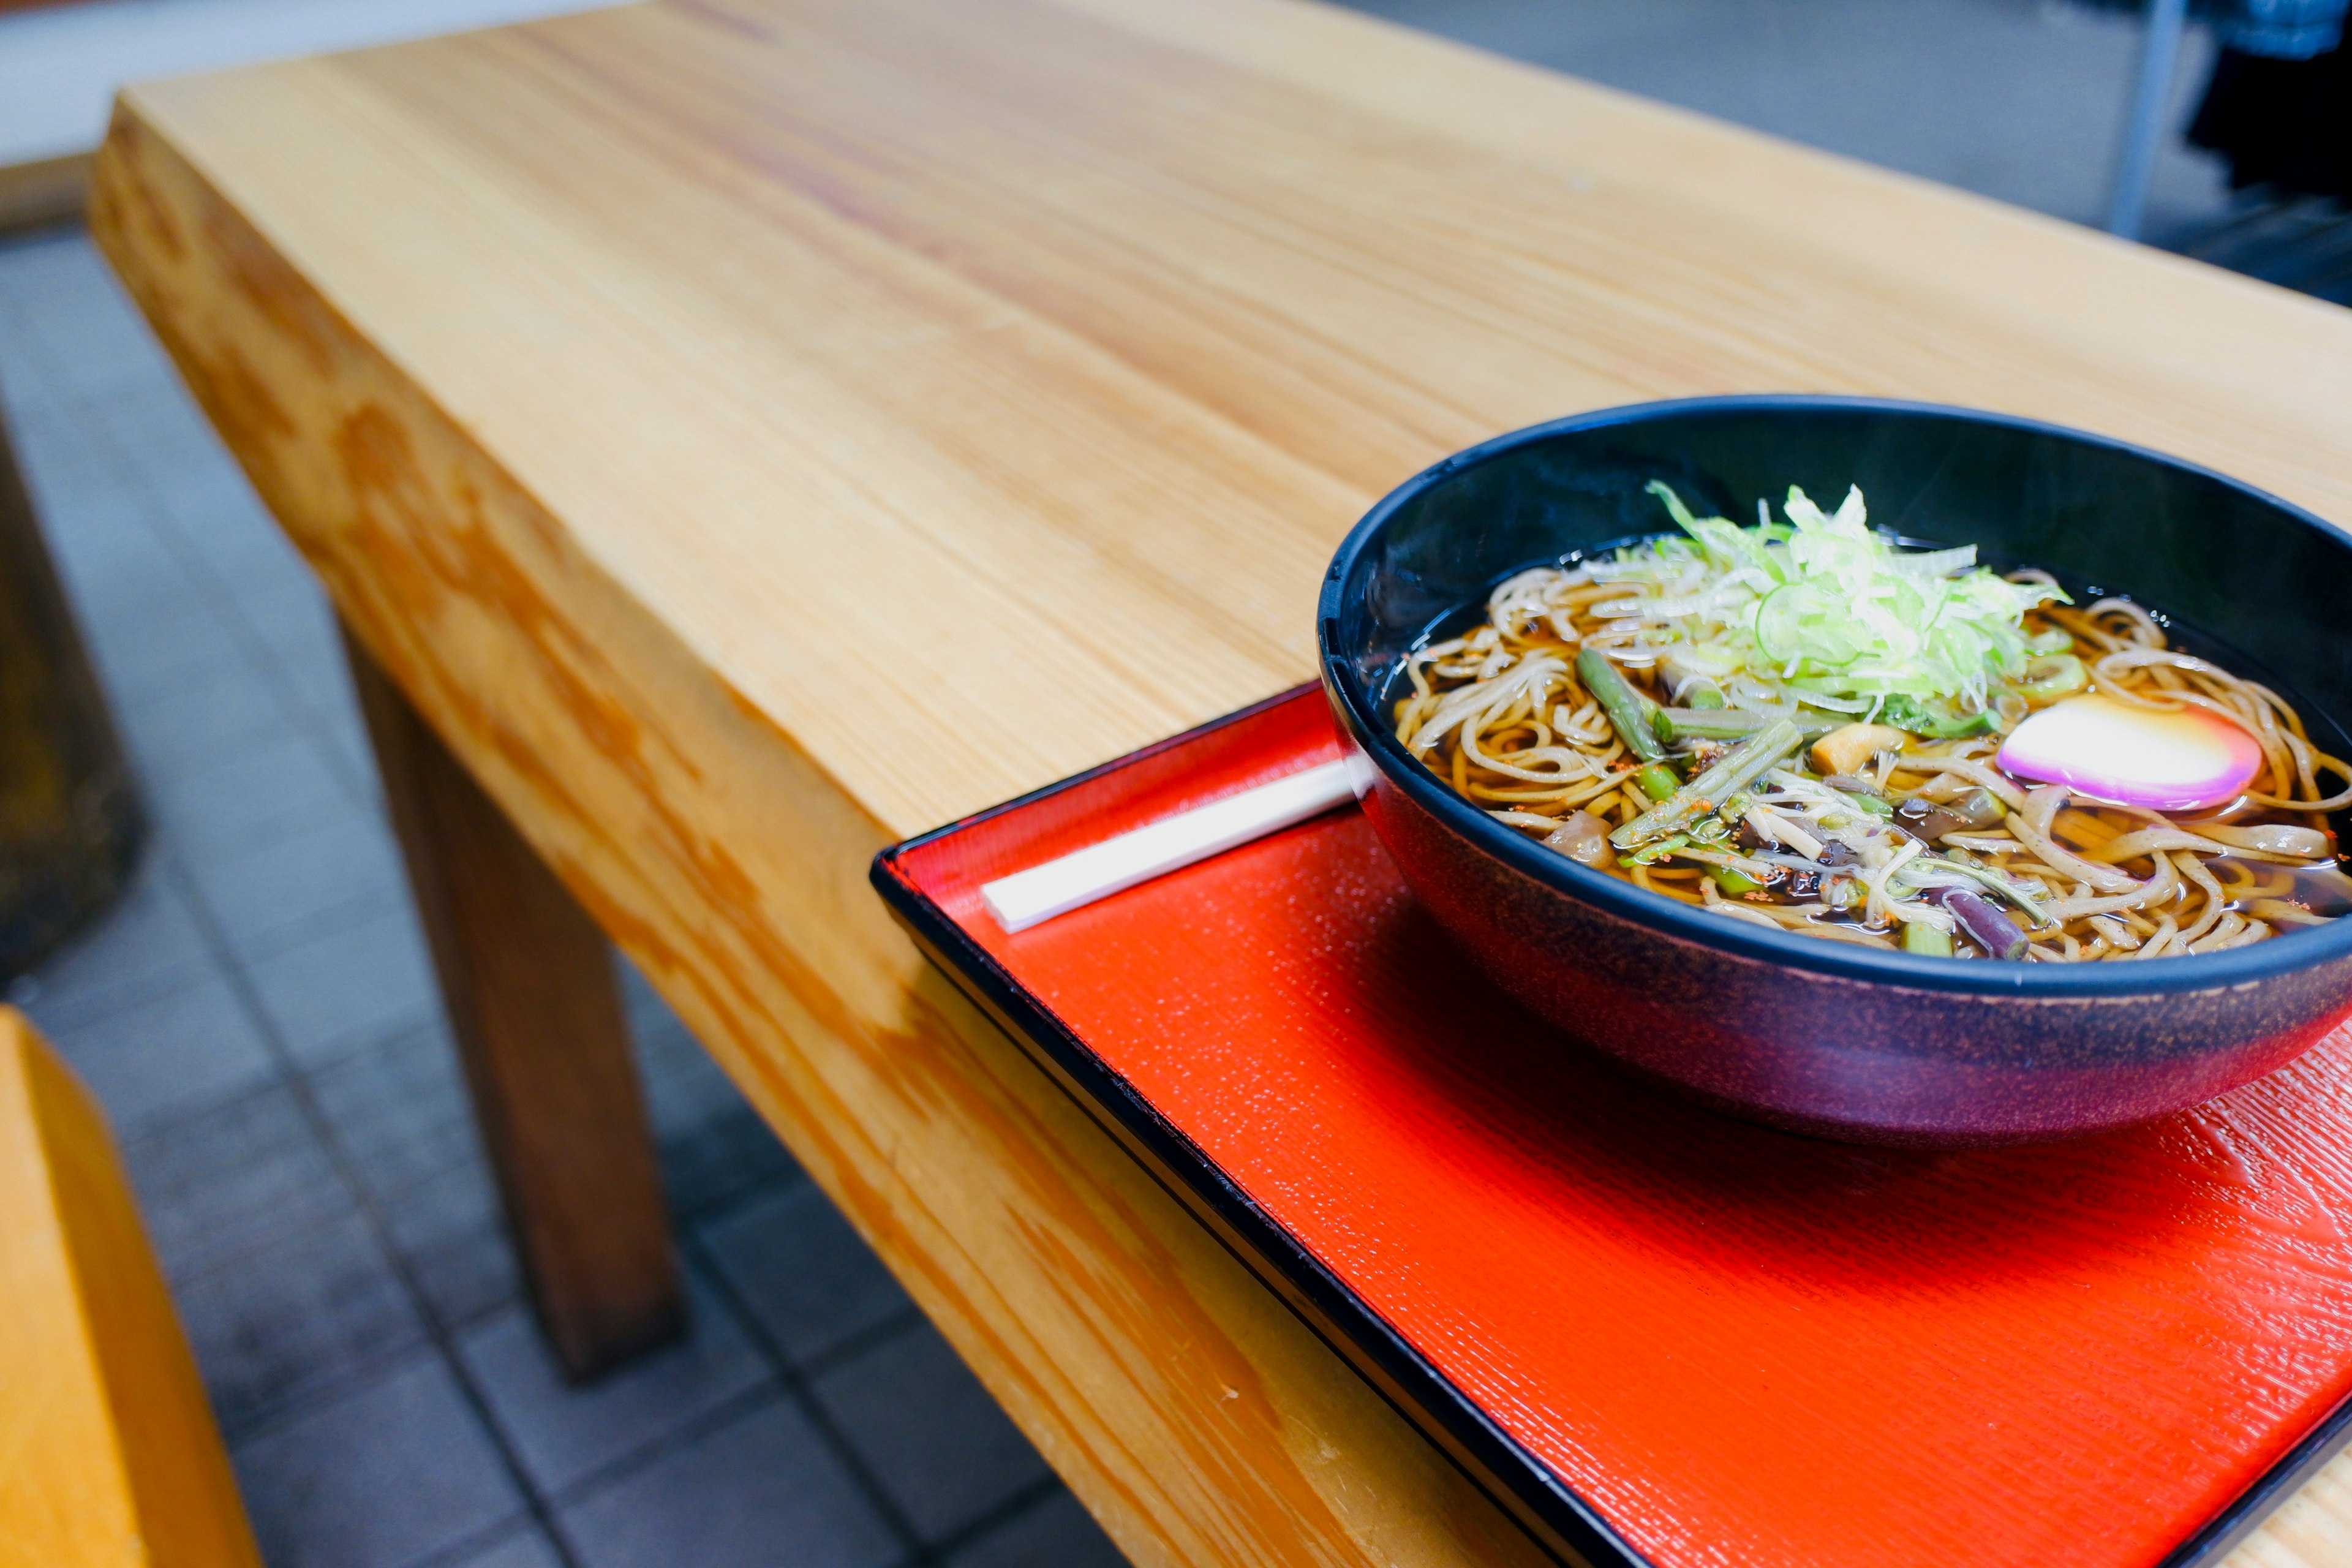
(2022, 101)
(69, 821)
(2278, 111)
(2035, 102)
(2144, 120)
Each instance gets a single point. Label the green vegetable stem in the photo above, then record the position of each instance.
(1658, 780)
(1918, 937)
(1629, 715)
(1765, 748)
(1674, 725)
(1733, 880)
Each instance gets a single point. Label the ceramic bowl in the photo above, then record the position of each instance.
(1831, 1039)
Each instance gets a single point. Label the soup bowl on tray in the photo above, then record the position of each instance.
(1833, 1038)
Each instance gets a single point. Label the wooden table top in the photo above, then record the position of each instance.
(755, 430)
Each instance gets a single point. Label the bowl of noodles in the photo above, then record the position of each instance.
(1882, 771)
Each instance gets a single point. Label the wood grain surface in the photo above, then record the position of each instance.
(751, 431)
(107, 1454)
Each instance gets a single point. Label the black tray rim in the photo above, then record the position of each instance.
(1555, 1515)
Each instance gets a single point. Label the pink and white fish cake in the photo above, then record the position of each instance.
(2184, 759)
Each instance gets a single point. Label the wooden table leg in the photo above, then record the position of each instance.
(529, 984)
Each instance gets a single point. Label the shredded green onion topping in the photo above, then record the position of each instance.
(1822, 606)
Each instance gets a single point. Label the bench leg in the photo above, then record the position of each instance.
(532, 1000)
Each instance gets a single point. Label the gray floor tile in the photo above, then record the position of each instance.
(809, 1280)
(320, 678)
(109, 358)
(104, 529)
(722, 1161)
(101, 525)
(398, 1109)
(392, 1472)
(149, 660)
(355, 986)
(645, 1007)
(30, 383)
(97, 365)
(304, 886)
(1055, 1532)
(111, 561)
(295, 1318)
(85, 306)
(529, 1549)
(336, 711)
(714, 1148)
(191, 1045)
(152, 419)
(146, 945)
(184, 732)
(713, 1145)
(944, 1450)
(564, 1435)
(249, 798)
(138, 578)
(452, 1236)
(221, 1182)
(349, 753)
(266, 580)
(210, 506)
(68, 470)
(27, 384)
(758, 1492)
(683, 1087)
(92, 359)
(292, 620)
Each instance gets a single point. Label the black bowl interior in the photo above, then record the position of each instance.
(2246, 577)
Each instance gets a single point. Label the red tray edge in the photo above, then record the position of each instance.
(1534, 1496)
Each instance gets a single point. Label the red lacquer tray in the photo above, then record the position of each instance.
(1656, 1334)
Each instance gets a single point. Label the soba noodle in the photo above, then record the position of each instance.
(1619, 709)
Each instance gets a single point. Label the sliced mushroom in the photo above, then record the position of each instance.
(1848, 748)
(1583, 838)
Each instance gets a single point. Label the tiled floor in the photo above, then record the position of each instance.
(258, 1020)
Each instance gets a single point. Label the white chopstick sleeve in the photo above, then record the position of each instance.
(1057, 887)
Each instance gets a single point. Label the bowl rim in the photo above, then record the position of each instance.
(2237, 968)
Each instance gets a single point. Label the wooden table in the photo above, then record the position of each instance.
(751, 431)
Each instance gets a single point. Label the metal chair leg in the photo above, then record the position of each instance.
(2159, 53)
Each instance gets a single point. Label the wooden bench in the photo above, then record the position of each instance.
(107, 1451)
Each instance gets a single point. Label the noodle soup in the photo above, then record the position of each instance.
(1802, 725)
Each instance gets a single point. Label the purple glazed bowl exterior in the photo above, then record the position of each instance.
(1826, 1038)
(1865, 1060)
